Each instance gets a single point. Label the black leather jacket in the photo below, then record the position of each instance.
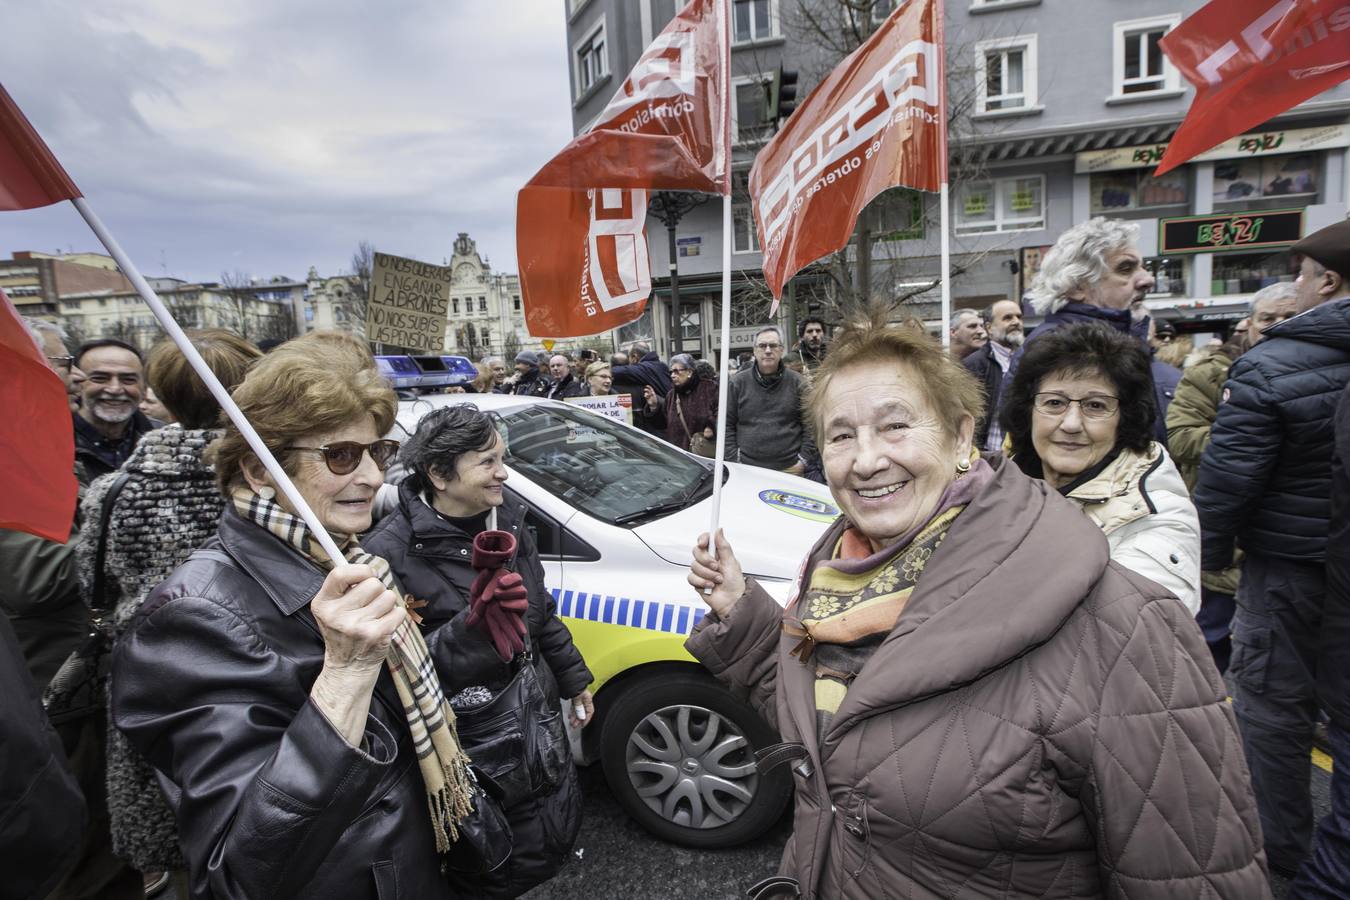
(430, 558)
(212, 687)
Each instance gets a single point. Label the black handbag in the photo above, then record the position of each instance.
(485, 839)
(80, 687)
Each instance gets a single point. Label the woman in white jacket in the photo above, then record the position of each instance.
(1079, 414)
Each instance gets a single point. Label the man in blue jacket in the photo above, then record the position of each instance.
(1265, 485)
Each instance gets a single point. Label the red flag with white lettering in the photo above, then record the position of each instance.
(876, 122)
(1251, 60)
(581, 237)
(30, 176)
(37, 441)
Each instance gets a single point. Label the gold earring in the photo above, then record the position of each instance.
(962, 466)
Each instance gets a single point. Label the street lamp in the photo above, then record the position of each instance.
(670, 207)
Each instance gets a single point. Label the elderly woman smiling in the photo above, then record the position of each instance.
(1079, 413)
(292, 706)
(974, 700)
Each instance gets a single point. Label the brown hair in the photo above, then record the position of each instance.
(181, 389)
(951, 391)
(483, 383)
(311, 384)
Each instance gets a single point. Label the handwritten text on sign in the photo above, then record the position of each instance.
(407, 304)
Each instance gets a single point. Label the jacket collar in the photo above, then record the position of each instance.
(983, 599)
(428, 525)
(287, 577)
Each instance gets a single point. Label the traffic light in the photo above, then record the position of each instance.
(781, 97)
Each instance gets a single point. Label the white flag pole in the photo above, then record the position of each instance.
(217, 389)
(719, 458)
(944, 198)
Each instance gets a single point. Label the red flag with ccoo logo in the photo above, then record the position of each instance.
(875, 122)
(1251, 60)
(581, 238)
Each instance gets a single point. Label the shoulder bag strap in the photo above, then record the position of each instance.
(98, 601)
(679, 410)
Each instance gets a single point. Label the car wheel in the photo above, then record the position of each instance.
(679, 754)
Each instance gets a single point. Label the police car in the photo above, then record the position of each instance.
(616, 512)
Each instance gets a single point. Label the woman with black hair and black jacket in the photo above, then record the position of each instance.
(453, 527)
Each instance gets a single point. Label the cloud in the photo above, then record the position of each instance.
(270, 137)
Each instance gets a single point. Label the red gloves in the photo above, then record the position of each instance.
(498, 599)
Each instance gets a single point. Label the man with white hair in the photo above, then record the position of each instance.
(1093, 274)
(560, 371)
(968, 334)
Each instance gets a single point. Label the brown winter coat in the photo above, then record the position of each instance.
(1040, 723)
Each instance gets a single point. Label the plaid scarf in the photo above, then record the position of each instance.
(439, 756)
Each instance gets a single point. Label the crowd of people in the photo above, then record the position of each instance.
(1001, 671)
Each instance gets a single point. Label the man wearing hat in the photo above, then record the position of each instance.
(528, 380)
(1264, 486)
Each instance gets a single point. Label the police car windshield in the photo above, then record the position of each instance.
(602, 468)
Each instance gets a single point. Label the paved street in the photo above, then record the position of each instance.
(621, 861)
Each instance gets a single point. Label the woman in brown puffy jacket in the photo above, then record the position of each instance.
(974, 700)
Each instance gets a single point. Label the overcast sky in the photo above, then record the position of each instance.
(266, 136)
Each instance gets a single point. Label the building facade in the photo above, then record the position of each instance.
(36, 282)
(1059, 110)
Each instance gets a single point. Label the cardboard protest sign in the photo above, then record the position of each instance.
(407, 304)
(618, 407)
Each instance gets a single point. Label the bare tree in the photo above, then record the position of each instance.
(235, 288)
(363, 263)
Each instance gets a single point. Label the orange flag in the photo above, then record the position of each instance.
(876, 122)
(30, 176)
(581, 237)
(1251, 60)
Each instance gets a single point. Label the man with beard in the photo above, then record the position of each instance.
(108, 424)
(989, 364)
(1095, 273)
(811, 346)
(561, 371)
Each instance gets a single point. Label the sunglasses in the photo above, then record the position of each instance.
(343, 457)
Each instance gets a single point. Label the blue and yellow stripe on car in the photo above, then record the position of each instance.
(615, 634)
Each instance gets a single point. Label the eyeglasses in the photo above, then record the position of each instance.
(768, 347)
(1097, 406)
(61, 362)
(343, 457)
(677, 371)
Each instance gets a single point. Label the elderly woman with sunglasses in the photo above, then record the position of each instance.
(292, 708)
(974, 700)
(1079, 413)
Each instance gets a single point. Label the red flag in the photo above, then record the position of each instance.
(1251, 60)
(581, 237)
(30, 176)
(874, 123)
(37, 442)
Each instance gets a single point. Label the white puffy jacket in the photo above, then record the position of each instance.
(1140, 502)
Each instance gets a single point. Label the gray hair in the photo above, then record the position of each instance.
(1078, 259)
(442, 437)
(489, 360)
(959, 314)
(774, 328)
(683, 359)
(1273, 293)
(38, 327)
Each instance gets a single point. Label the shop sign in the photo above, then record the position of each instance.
(689, 246)
(1029, 266)
(1261, 143)
(1238, 231)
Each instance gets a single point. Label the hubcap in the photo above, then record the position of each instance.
(692, 766)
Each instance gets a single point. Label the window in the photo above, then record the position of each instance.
(749, 122)
(515, 303)
(1247, 273)
(1169, 275)
(897, 215)
(454, 305)
(1138, 61)
(881, 9)
(592, 62)
(744, 237)
(1138, 189)
(1002, 204)
(753, 20)
(482, 304)
(1286, 175)
(1005, 72)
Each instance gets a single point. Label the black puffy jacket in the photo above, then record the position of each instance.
(1265, 478)
(1333, 673)
(212, 686)
(429, 556)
